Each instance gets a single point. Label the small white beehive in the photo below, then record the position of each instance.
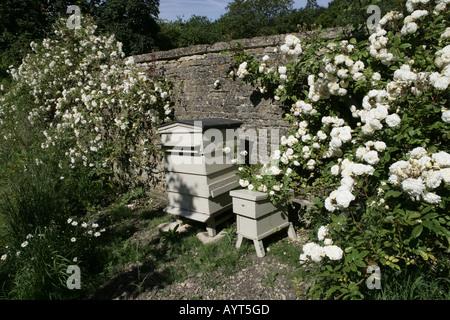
(257, 218)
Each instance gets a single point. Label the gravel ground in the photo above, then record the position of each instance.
(249, 283)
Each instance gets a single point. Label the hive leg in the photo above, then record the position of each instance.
(291, 232)
(211, 228)
(239, 241)
(260, 252)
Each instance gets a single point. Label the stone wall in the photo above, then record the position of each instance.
(194, 70)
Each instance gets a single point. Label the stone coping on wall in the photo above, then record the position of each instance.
(250, 43)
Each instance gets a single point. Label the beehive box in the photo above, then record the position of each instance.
(258, 218)
(199, 175)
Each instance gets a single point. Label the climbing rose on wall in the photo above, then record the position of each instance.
(368, 142)
(95, 106)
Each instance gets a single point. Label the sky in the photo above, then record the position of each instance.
(213, 9)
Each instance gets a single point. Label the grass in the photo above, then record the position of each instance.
(132, 257)
(412, 286)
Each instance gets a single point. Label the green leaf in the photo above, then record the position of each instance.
(431, 215)
(404, 45)
(417, 231)
(360, 263)
(393, 193)
(318, 202)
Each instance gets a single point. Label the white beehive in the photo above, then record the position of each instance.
(257, 218)
(199, 175)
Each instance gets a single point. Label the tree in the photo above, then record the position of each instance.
(179, 33)
(312, 5)
(353, 12)
(249, 18)
(20, 22)
(23, 21)
(132, 21)
(299, 19)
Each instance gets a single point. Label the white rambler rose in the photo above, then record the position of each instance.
(376, 76)
(321, 135)
(308, 247)
(358, 66)
(433, 179)
(393, 120)
(322, 233)
(359, 76)
(303, 258)
(242, 70)
(419, 14)
(423, 163)
(400, 168)
(446, 34)
(375, 123)
(413, 187)
(347, 184)
(360, 169)
(342, 73)
(446, 116)
(380, 146)
(335, 143)
(445, 174)
(442, 83)
(333, 252)
(244, 183)
(275, 170)
(442, 159)
(371, 157)
(418, 152)
(343, 198)
(431, 198)
(313, 250)
(394, 179)
(329, 205)
(381, 111)
(335, 170)
(405, 74)
(292, 46)
(311, 164)
(409, 28)
(361, 151)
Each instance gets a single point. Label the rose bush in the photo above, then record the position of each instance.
(96, 107)
(369, 142)
(76, 120)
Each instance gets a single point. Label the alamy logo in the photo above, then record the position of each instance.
(74, 280)
(374, 280)
(374, 19)
(74, 21)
